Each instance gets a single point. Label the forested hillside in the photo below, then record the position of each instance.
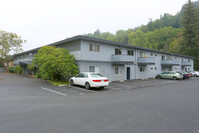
(177, 34)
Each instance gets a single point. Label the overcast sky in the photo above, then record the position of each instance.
(42, 22)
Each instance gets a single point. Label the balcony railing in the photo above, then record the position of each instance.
(186, 63)
(122, 59)
(171, 62)
(146, 60)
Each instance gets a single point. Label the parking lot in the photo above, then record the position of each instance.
(138, 106)
(29, 84)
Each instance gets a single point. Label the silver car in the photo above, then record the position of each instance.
(169, 75)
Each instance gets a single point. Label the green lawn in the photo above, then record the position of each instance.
(58, 82)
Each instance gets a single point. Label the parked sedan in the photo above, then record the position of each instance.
(89, 80)
(194, 73)
(169, 75)
(184, 74)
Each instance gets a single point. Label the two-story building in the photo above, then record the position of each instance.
(115, 60)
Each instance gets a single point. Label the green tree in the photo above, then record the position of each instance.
(9, 42)
(54, 63)
(188, 23)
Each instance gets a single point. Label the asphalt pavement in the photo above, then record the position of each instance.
(164, 106)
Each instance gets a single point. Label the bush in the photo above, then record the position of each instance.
(55, 63)
(18, 69)
(31, 68)
(11, 69)
(37, 75)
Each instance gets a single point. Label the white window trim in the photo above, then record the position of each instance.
(94, 68)
(118, 71)
(142, 71)
(94, 45)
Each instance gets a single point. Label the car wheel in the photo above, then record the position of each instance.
(195, 75)
(87, 86)
(174, 78)
(71, 83)
(158, 77)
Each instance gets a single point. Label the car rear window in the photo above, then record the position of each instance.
(96, 75)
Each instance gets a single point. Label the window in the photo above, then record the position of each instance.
(142, 69)
(81, 75)
(96, 75)
(94, 47)
(130, 52)
(118, 70)
(188, 60)
(151, 54)
(151, 68)
(163, 57)
(118, 51)
(94, 69)
(141, 54)
(155, 68)
(155, 54)
(182, 59)
(30, 55)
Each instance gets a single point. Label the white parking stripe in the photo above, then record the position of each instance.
(54, 91)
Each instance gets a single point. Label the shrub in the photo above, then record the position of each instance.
(54, 63)
(18, 69)
(11, 69)
(31, 68)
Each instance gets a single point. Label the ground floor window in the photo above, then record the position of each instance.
(95, 69)
(142, 69)
(118, 70)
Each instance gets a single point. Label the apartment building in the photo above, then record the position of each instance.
(115, 60)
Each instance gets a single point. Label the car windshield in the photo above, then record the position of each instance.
(96, 75)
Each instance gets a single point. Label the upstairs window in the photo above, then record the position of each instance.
(182, 59)
(141, 54)
(118, 51)
(30, 55)
(188, 60)
(151, 54)
(94, 47)
(163, 57)
(130, 52)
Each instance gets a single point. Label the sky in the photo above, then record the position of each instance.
(42, 22)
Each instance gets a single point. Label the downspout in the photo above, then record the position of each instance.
(135, 63)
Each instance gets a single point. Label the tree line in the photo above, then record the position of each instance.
(170, 33)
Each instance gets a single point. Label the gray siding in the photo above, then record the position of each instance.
(107, 61)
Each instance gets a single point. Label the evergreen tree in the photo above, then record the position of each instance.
(188, 22)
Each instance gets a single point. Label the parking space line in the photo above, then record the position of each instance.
(54, 91)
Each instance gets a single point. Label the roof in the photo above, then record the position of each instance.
(97, 40)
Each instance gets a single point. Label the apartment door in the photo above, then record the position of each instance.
(128, 73)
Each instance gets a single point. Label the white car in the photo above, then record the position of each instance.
(194, 73)
(89, 80)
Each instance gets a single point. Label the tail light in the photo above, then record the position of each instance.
(96, 80)
(106, 80)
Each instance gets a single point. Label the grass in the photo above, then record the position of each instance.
(58, 82)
